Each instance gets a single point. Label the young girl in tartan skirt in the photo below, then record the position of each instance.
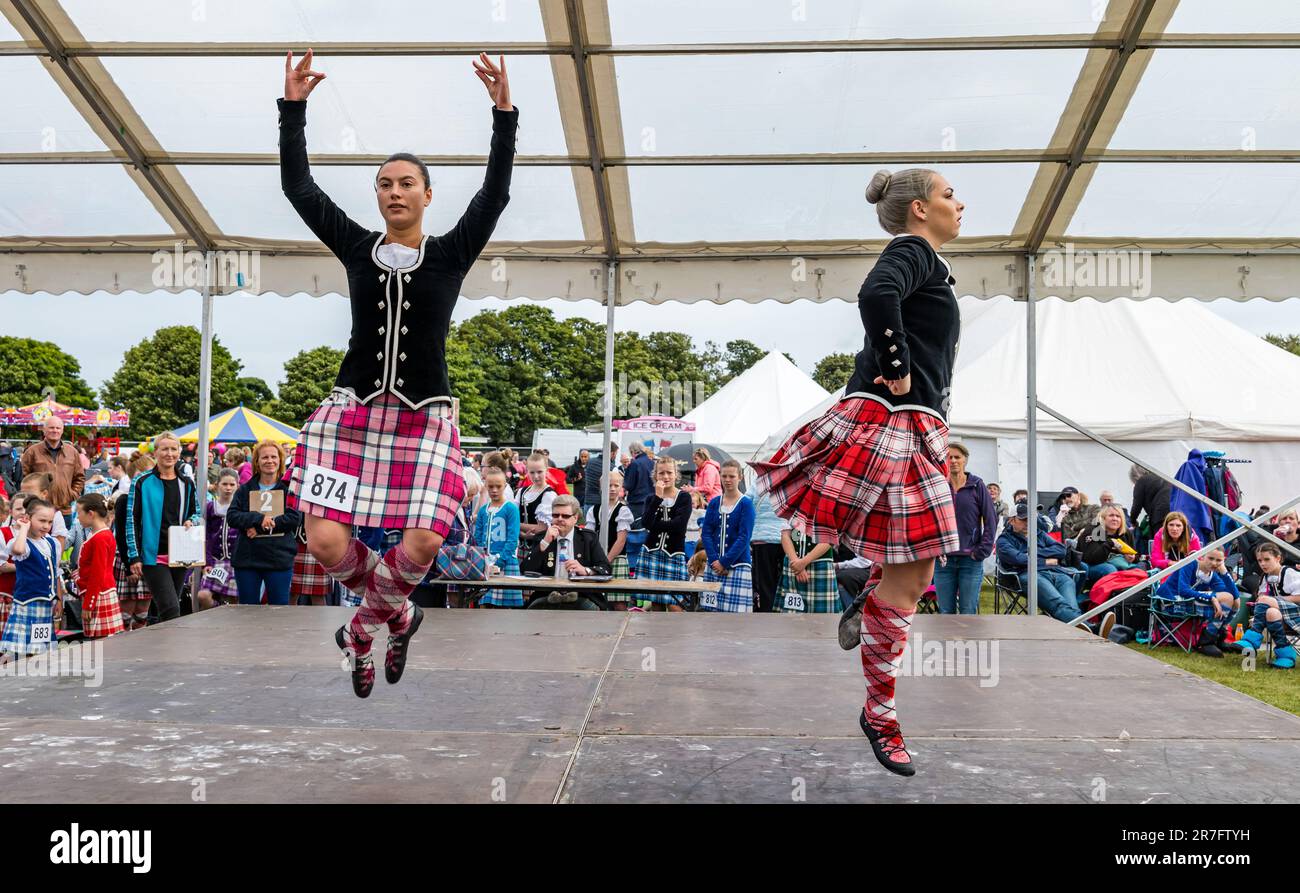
(132, 592)
(666, 515)
(872, 471)
(37, 585)
(535, 501)
(217, 577)
(385, 433)
(615, 539)
(101, 614)
(496, 531)
(727, 527)
(807, 577)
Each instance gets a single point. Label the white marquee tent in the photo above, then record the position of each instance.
(755, 403)
(1160, 377)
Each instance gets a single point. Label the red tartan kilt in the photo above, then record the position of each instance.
(872, 478)
(101, 614)
(309, 576)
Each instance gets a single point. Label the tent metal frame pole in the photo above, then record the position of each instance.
(1031, 390)
(205, 376)
(611, 281)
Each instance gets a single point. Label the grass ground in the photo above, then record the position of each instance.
(1281, 688)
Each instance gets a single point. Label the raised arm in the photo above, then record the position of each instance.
(324, 218)
(471, 233)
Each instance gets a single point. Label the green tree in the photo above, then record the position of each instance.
(525, 355)
(466, 377)
(308, 377)
(158, 381)
(1286, 342)
(30, 369)
(833, 371)
(255, 393)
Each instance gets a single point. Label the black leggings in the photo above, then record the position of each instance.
(767, 565)
(165, 586)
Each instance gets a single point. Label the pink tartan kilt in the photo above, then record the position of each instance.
(874, 479)
(407, 461)
(309, 577)
(101, 614)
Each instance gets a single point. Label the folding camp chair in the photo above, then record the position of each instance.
(1009, 596)
(1175, 621)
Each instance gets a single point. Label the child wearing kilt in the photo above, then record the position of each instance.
(496, 531)
(29, 628)
(725, 531)
(101, 614)
(1276, 608)
(872, 471)
(383, 449)
(132, 591)
(535, 501)
(666, 515)
(808, 583)
(615, 539)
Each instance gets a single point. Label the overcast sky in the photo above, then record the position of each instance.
(264, 331)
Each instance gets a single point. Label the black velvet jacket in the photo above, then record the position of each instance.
(910, 313)
(400, 316)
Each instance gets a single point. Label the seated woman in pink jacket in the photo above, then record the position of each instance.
(708, 479)
(1174, 541)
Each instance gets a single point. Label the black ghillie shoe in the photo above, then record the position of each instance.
(851, 618)
(888, 747)
(362, 666)
(395, 660)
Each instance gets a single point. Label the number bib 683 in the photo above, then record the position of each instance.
(328, 488)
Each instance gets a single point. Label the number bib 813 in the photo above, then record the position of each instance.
(328, 488)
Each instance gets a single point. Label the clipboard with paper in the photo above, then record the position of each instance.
(186, 546)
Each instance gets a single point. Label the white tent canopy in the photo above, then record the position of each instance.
(712, 151)
(1161, 378)
(753, 404)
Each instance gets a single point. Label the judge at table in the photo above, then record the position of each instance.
(566, 551)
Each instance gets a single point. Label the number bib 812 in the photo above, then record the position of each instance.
(328, 488)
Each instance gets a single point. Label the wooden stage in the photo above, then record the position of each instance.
(252, 704)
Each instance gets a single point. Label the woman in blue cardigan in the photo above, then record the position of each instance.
(158, 500)
(725, 531)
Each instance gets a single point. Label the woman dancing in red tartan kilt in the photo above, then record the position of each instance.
(872, 472)
(381, 450)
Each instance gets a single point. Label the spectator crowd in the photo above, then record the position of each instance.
(85, 542)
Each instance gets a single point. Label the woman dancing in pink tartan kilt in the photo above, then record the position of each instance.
(381, 450)
(872, 472)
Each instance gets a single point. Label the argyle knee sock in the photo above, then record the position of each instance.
(385, 601)
(884, 636)
(1260, 619)
(356, 566)
(1277, 630)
